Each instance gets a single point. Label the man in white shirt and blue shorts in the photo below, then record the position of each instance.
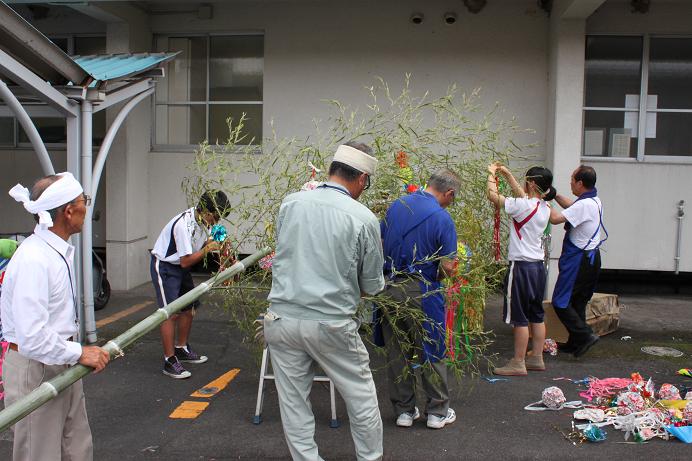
(580, 261)
(183, 242)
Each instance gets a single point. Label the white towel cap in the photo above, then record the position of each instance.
(62, 191)
(356, 159)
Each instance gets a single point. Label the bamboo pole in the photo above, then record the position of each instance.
(50, 389)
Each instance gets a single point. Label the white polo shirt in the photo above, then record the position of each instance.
(526, 245)
(585, 217)
(38, 300)
(189, 237)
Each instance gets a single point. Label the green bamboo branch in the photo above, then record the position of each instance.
(50, 389)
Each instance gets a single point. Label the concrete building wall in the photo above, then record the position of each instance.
(332, 50)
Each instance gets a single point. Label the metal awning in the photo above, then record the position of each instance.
(34, 68)
(36, 52)
(108, 67)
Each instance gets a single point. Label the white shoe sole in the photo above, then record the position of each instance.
(442, 423)
(201, 359)
(184, 375)
(409, 423)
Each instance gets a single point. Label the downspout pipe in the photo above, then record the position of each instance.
(110, 136)
(681, 214)
(29, 128)
(89, 320)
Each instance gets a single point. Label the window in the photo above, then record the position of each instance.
(638, 84)
(53, 130)
(212, 79)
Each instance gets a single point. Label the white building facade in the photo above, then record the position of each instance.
(580, 76)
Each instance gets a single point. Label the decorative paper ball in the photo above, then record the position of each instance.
(630, 402)
(687, 413)
(553, 397)
(668, 392)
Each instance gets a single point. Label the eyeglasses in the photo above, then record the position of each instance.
(367, 182)
(85, 198)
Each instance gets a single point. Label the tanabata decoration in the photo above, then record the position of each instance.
(595, 415)
(312, 183)
(550, 347)
(630, 402)
(683, 433)
(594, 433)
(456, 319)
(685, 372)
(668, 392)
(266, 262)
(552, 398)
(406, 173)
(645, 388)
(218, 233)
(604, 389)
(630, 405)
(687, 413)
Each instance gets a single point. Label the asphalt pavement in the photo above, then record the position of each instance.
(131, 403)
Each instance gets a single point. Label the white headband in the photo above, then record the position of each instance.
(356, 159)
(62, 191)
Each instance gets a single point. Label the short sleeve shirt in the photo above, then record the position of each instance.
(585, 217)
(526, 244)
(416, 232)
(187, 237)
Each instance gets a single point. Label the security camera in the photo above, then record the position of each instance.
(450, 18)
(417, 18)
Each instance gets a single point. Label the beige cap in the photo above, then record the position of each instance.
(356, 159)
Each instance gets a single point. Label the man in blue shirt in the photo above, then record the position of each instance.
(420, 244)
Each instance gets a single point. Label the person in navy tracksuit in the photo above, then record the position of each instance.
(183, 242)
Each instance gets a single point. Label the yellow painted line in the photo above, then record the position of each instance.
(217, 385)
(123, 313)
(189, 410)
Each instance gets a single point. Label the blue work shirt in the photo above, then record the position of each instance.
(417, 231)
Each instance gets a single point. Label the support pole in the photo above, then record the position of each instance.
(110, 136)
(29, 128)
(50, 389)
(74, 167)
(89, 320)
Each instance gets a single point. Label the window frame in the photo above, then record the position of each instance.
(641, 156)
(207, 102)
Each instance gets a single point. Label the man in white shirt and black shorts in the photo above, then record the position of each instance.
(183, 242)
(580, 261)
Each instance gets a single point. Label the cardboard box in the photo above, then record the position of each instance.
(602, 315)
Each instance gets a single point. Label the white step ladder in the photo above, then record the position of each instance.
(264, 375)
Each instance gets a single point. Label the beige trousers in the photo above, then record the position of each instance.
(58, 430)
(295, 346)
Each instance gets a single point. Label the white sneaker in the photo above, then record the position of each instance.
(407, 419)
(438, 422)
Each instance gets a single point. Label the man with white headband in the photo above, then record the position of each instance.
(328, 254)
(40, 321)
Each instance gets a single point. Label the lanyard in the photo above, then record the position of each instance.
(69, 274)
(338, 189)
